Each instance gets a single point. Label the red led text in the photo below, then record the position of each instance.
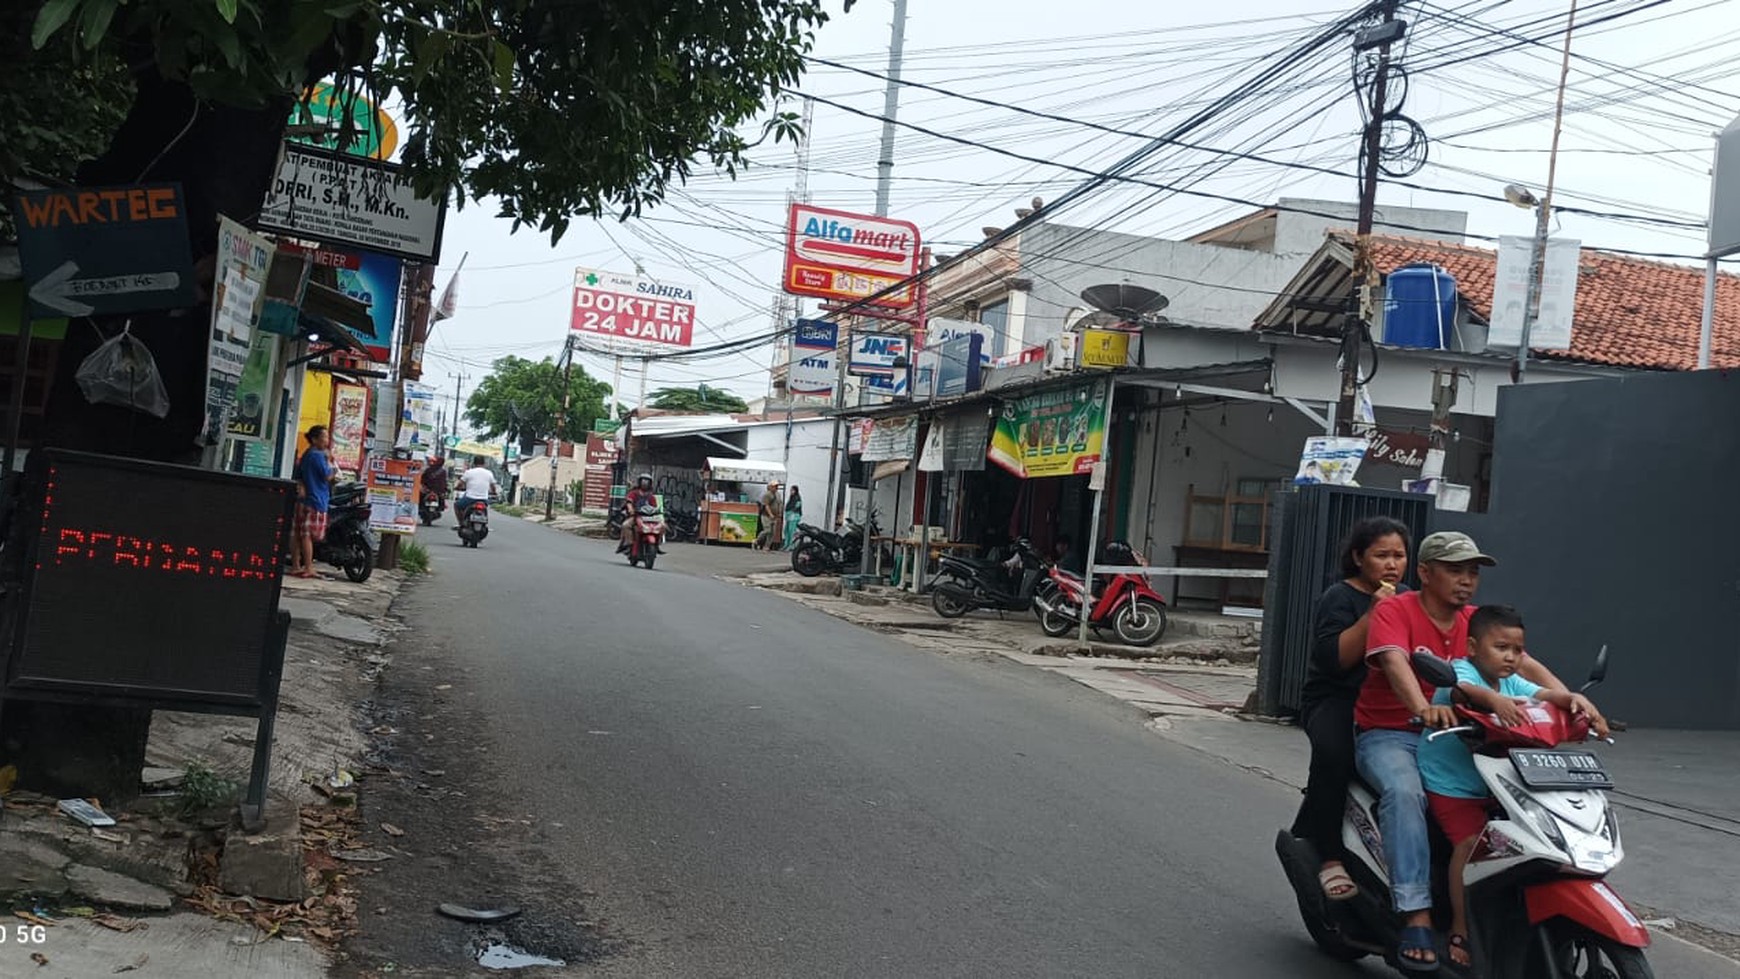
(123, 550)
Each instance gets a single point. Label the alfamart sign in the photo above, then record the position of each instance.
(844, 256)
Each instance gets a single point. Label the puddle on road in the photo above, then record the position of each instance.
(499, 955)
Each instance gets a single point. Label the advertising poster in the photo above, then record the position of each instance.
(628, 313)
(251, 416)
(240, 276)
(891, 438)
(417, 423)
(392, 493)
(350, 415)
(1331, 459)
(739, 528)
(1052, 433)
(372, 279)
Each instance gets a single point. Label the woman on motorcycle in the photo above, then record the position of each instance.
(1373, 560)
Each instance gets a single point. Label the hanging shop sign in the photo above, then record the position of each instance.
(1394, 448)
(1558, 295)
(891, 438)
(347, 201)
(1107, 348)
(814, 364)
(368, 130)
(93, 251)
(373, 280)
(857, 435)
(1059, 432)
(844, 256)
(629, 313)
(391, 485)
(958, 365)
(930, 458)
(876, 353)
(939, 331)
(349, 431)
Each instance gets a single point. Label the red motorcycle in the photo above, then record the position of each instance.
(649, 530)
(1126, 603)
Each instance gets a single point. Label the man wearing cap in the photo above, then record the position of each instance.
(1434, 620)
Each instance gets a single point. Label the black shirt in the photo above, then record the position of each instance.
(1338, 608)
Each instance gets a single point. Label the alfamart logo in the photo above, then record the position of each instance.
(882, 242)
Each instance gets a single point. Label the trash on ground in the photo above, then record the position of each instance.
(115, 922)
(364, 855)
(84, 812)
(496, 955)
(392, 830)
(484, 916)
(138, 963)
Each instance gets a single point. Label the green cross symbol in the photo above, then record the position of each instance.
(591, 278)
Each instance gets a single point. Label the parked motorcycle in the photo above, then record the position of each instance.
(473, 518)
(964, 584)
(1126, 603)
(349, 544)
(649, 529)
(430, 506)
(681, 525)
(1538, 902)
(816, 551)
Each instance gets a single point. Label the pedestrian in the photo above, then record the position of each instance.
(770, 513)
(794, 515)
(1373, 560)
(314, 476)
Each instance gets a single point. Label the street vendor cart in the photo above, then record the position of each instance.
(730, 497)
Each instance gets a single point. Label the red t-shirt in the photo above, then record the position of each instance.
(1401, 623)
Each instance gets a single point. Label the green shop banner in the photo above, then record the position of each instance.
(1051, 433)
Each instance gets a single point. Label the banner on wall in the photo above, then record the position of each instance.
(1052, 433)
(240, 278)
(392, 494)
(417, 423)
(891, 438)
(256, 391)
(350, 418)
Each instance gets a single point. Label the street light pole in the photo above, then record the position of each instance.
(561, 422)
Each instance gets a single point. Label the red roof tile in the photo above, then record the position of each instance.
(1631, 312)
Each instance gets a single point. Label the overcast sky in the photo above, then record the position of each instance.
(1647, 92)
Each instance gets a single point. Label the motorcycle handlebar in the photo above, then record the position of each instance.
(1458, 729)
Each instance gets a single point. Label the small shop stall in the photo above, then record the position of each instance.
(730, 498)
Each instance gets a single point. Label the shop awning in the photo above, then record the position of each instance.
(744, 470)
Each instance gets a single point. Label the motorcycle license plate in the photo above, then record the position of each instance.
(1561, 769)
(480, 516)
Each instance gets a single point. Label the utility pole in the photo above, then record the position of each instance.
(561, 422)
(458, 380)
(890, 108)
(1544, 212)
(1365, 275)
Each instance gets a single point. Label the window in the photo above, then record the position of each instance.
(996, 316)
(1235, 521)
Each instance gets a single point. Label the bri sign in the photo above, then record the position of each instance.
(845, 257)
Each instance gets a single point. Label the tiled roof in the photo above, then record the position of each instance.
(1631, 312)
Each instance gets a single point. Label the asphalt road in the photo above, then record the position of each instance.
(679, 776)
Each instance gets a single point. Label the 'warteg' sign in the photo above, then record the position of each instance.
(844, 256)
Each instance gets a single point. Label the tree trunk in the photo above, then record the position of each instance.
(223, 158)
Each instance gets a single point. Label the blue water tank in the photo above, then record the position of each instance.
(1420, 307)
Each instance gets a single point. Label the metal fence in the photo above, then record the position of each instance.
(1309, 525)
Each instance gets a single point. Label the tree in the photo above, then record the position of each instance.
(520, 399)
(698, 398)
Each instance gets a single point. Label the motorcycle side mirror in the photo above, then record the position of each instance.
(1437, 672)
(1597, 673)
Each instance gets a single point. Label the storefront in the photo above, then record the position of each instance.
(731, 496)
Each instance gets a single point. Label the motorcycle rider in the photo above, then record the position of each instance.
(477, 486)
(640, 494)
(435, 478)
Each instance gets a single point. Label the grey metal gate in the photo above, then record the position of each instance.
(1309, 525)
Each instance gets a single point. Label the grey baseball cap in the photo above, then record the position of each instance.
(1451, 547)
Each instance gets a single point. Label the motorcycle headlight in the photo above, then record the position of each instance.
(1546, 822)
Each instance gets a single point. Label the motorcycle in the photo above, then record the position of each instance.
(1538, 903)
(473, 521)
(430, 506)
(964, 584)
(815, 551)
(1127, 604)
(349, 544)
(681, 525)
(649, 528)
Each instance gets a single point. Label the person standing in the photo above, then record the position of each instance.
(771, 511)
(314, 476)
(1373, 560)
(794, 514)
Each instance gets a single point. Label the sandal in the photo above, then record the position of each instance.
(1459, 944)
(1337, 885)
(1417, 939)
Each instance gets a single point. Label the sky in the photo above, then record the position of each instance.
(1646, 92)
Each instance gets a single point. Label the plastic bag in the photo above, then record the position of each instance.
(122, 372)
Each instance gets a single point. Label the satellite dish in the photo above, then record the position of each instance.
(1126, 301)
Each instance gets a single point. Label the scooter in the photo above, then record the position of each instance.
(1127, 604)
(473, 521)
(1539, 904)
(349, 544)
(681, 525)
(649, 529)
(430, 506)
(964, 585)
(816, 551)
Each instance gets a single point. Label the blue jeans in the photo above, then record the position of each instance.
(1387, 761)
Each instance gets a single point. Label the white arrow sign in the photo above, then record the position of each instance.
(58, 290)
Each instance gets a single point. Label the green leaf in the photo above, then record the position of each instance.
(430, 50)
(227, 10)
(504, 66)
(95, 23)
(52, 17)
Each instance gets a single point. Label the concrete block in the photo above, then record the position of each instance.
(109, 889)
(30, 869)
(266, 864)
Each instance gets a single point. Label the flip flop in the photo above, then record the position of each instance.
(1337, 885)
(1417, 938)
(1459, 943)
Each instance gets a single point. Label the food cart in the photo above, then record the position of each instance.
(730, 498)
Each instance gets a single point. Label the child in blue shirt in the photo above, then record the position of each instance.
(1487, 681)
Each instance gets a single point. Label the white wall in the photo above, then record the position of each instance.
(1301, 234)
(805, 459)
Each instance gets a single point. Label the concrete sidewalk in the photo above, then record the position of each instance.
(1678, 791)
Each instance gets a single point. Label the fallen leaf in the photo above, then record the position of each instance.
(392, 830)
(33, 919)
(138, 963)
(39, 958)
(115, 922)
